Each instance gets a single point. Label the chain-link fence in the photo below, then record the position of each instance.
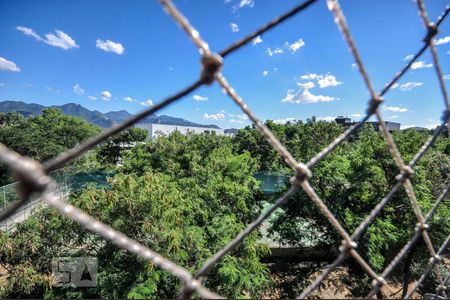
(34, 179)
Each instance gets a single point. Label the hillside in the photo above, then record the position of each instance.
(95, 117)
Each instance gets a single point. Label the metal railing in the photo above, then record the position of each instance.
(34, 177)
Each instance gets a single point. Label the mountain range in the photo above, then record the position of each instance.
(95, 117)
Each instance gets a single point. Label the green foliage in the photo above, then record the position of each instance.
(250, 140)
(111, 151)
(186, 202)
(351, 181)
(187, 196)
(42, 137)
(303, 139)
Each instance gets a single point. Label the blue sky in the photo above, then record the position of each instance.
(113, 55)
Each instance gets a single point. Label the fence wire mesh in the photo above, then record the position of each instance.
(34, 177)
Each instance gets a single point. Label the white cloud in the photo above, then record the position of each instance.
(356, 115)
(328, 80)
(7, 65)
(241, 117)
(447, 77)
(78, 90)
(394, 86)
(278, 51)
(406, 126)
(218, 116)
(420, 65)
(323, 80)
(428, 126)
(265, 73)
(393, 117)
(149, 102)
(61, 39)
(52, 90)
(242, 4)
(443, 40)
(284, 121)
(129, 99)
(354, 66)
(271, 52)
(305, 96)
(432, 126)
(235, 118)
(92, 98)
(234, 27)
(326, 119)
(410, 85)
(29, 32)
(110, 46)
(106, 95)
(295, 45)
(199, 98)
(408, 57)
(394, 108)
(58, 39)
(306, 85)
(257, 40)
(311, 76)
(448, 52)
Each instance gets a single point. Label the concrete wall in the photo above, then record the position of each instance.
(155, 130)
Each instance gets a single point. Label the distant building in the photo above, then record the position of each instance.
(344, 120)
(156, 130)
(391, 126)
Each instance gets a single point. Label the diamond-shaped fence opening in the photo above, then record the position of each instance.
(34, 176)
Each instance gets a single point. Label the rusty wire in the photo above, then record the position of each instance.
(34, 178)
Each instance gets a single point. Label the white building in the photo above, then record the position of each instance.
(155, 130)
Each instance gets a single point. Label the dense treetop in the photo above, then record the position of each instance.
(187, 196)
(42, 137)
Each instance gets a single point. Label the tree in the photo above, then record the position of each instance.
(303, 139)
(42, 137)
(187, 196)
(250, 140)
(351, 181)
(183, 196)
(111, 151)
